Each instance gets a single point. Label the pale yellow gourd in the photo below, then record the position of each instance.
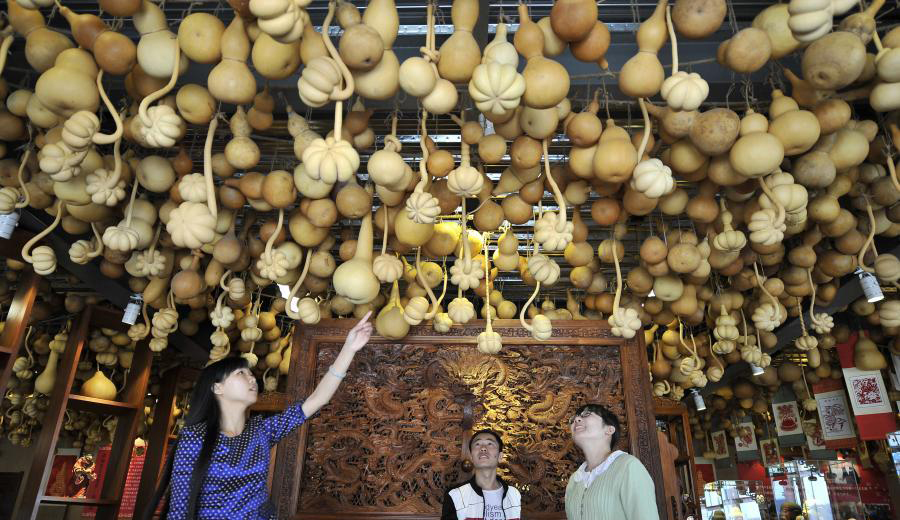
(546, 81)
(643, 75)
(99, 387)
(231, 80)
(460, 53)
(354, 278)
(382, 81)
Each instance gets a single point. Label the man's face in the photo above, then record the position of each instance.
(485, 451)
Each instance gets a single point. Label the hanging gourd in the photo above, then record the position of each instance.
(643, 75)
(465, 180)
(199, 36)
(496, 86)
(386, 167)
(354, 278)
(615, 157)
(43, 258)
(115, 53)
(489, 342)
(552, 230)
(834, 61)
(651, 177)
(546, 81)
(812, 19)
(422, 207)
(387, 268)
(231, 81)
(541, 329)
(774, 21)
(331, 159)
(756, 152)
(193, 224)
(682, 90)
(260, 114)
(459, 55)
(156, 50)
(42, 44)
(697, 19)
(419, 74)
(382, 81)
(283, 20)
(241, 151)
(70, 84)
(624, 322)
(465, 273)
(745, 52)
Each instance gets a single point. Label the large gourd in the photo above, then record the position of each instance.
(42, 45)
(643, 75)
(546, 81)
(115, 53)
(156, 48)
(460, 53)
(70, 85)
(231, 80)
(354, 278)
(99, 387)
(383, 80)
(572, 20)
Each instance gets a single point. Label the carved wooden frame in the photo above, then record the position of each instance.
(302, 379)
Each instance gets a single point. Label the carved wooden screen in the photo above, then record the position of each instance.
(390, 442)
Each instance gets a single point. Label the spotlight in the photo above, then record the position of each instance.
(8, 223)
(869, 285)
(133, 309)
(757, 370)
(698, 400)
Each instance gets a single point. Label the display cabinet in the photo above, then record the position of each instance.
(736, 499)
(824, 490)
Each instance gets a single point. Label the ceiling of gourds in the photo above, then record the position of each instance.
(727, 89)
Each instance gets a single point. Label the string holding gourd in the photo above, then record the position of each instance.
(553, 230)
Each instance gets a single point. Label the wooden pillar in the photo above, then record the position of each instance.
(16, 323)
(158, 438)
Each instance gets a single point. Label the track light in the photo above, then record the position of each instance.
(133, 309)
(869, 285)
(8, 223)
(698, 400)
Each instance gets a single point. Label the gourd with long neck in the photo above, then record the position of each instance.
(546, 81)
(231, 80)
(115, 53)
(42, 45)
(460, 53)
(643, 75)
(354, 278)
(155, 50)
(383, 80)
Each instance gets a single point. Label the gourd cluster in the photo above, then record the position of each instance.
(784, 199)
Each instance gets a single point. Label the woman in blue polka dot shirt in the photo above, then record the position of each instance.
(221, 462)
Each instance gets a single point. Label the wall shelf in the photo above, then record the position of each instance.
(99, 406)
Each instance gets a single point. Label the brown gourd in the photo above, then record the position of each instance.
(231, 80)
(115, 53)
(460, 53)
(546, 81)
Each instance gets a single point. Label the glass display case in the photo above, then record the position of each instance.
(893, 440)
(733, 500)
(820, 490)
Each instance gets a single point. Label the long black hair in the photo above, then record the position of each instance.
(204, 410)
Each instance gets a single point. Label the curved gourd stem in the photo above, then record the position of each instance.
(222, 280)
(892, 170)
(557, 194)
(525, 324)
(134, 190)
(467, 252)
(432, 313)
(22, 186)
(618, 276)
(207, 167)
(347, 91)
(155, 240)
(275, 233)
(384, 240)
(26, 249)
(779, 218)
(762, 287)
(423, 162)
(117, 166)
(99, 138)
(487, 287)
(145, 103)
(4, 48)
(878, 46)
(434, 302)
(287, 308)
(97, 252)
(812, 301)
(860, 260)
(672, 39)
(647, 130)
(744, 325)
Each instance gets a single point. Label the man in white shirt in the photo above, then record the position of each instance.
(485, 496)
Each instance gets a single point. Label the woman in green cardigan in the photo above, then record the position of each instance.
(609, 484)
